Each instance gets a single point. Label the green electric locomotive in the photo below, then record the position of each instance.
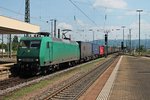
(43, 53)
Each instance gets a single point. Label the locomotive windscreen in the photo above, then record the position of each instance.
(30, 44)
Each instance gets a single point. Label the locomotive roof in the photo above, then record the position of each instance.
(52, 39)
(63, 40)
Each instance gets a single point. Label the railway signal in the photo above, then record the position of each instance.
(122, 46)
(106, 44)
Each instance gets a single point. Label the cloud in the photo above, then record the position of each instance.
(120, 17)
(145, 28)
(110, 3)
(131, 13)
(144, 25)
(64, 25)
(80, 22)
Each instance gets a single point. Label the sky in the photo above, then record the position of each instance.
(85, 17)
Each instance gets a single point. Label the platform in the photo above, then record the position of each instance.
(7, 60)
(131, 80)
(5, 70)
(5, 67)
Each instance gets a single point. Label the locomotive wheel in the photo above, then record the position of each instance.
(44, 72)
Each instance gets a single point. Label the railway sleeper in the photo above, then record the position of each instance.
(62, 97)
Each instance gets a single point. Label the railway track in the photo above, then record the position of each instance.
(72, 90)
(13, 83)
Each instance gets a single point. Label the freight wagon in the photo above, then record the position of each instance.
(95, 50)
(101, 51)
(85, 50)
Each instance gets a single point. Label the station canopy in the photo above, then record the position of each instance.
(13, 26)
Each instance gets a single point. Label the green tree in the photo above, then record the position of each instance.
(15, 39)
(4, 46)
(15, 43)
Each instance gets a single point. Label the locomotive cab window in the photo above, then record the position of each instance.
(30, 44)
(35, 44)
(24, 44)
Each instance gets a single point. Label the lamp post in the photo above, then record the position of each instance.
(123, 36)
(130, 39)
(145, 41)
(55, 27)
(52, 27)
(93, 33)
(118, 29)
(139, 11)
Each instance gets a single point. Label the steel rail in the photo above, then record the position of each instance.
(75, 88)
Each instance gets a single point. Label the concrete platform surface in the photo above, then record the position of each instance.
(133, 80)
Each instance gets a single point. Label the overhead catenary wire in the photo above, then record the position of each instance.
(40, 18)
(148, 12)
(18, 13)
(11, 11)
(83, 12)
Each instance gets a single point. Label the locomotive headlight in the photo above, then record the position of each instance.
(19, 59)
(36, 59)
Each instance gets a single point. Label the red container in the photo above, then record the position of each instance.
(101, 50)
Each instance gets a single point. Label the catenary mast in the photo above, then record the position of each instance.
(27, 12)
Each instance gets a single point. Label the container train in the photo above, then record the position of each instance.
(43, 53)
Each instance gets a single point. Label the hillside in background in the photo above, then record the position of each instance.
(134, 43)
